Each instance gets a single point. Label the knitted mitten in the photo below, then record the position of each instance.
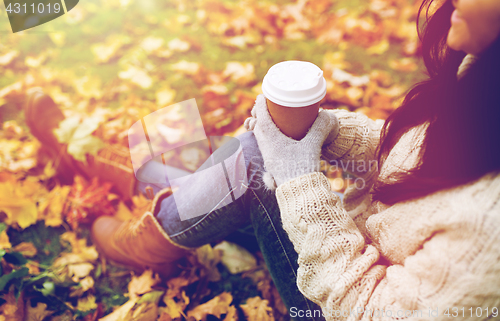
(284, 157)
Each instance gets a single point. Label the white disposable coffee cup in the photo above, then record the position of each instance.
(296, 84)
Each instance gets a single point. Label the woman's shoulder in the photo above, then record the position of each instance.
(470, 211)
(479, 196)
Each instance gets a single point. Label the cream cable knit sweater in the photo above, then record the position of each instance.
(416, 260)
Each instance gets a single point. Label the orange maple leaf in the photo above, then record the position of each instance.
(87, 201)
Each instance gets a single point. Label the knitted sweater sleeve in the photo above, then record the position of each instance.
(354, 150)
(343, 274)
(357, 139)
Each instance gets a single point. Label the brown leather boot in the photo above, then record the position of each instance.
(139, 243)
(111, 164)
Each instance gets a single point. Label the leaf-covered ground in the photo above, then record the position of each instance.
(109, 63)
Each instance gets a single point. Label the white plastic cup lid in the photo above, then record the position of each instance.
(294, 84)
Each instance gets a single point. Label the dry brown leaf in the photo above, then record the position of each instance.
(209, 258)
(235, 257)
(87, 303)
(27, 249)
(86, 284)
(175, 285)
(217, 307)
(32, 268)
(77, 264)
(12, 309)
(142, 284)
(143, 312)
(123, 213)
(173, 308)
(257, 309)
(164, 317)
(176, 299)
(165, 96)
(4, 240)
(232, 314)
(141, 205)
(37, 313)
(121, 312)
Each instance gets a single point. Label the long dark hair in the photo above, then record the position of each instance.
(462, 140)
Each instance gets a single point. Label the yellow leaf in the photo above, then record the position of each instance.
(151, 44)
(173, 309)
(141, 205)
(354, 94)
(79, 148)
(137, 76)
(404, 64)
(58, 38)
(12, 130)
(178, 45)
(35, 62)
(186, 67)
(236, 258)
(165, 96)
(78, 135)
(19, 208)
(332, 60)
(257, 309)
(379, 48)
(143, 312)
(241, 73)
(123, 213)
(137, 309)
(89, 87)
(7, 58)
(66, 128)
(87, 303)
(105, 51)
(51, 207)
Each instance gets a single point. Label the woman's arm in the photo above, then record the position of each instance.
(354, 150)
(357, 139)
(343, 274)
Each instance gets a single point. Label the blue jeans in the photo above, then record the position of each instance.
(257, 208)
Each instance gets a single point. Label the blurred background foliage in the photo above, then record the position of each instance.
(120, 60)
